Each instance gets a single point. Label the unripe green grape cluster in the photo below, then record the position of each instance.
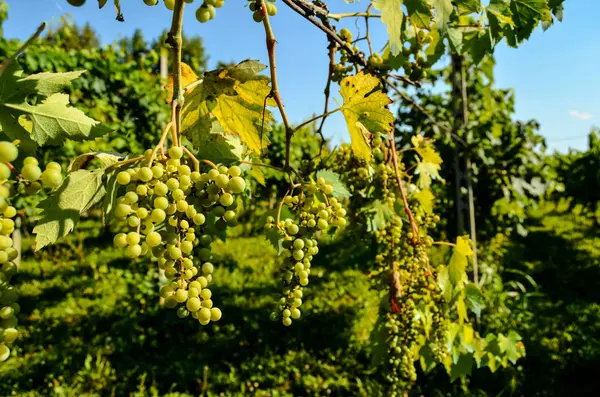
(408, 265)
(169, 210)
(208, 10)
(416, 65)
(9, 308)
(11, 182)
(255, 6)
(300, 244)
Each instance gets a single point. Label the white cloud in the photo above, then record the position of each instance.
(579, 115)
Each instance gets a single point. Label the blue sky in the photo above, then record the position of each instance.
(555, 73)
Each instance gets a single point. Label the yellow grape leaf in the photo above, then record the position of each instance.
(232, 98)
(461, 309)
(236, 117)
(429, 155)
(258, 175)
(255, 92)
(365, 111)
(429, 166)
(187, 77)
(425, 198)
(463, 246)
(468, 334)
(457, 274)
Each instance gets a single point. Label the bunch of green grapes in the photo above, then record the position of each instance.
(404, 267)
(255, 5)
(13, 183)
(300, 244)
(173, 214)
(416, 64)
(208, 10)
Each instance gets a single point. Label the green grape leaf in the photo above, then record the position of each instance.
(246, 71)
(210, 227)
(101, 3)
(51, 119)
(365, 111)
(436, 48)
(427, 359)
(339, 189)
(462, 368)
(258, 175)
(511, 346)
(392, 16)
(455, 39)
(443, 10)
(378, 338)
(235, 97)
(110, 198)
(219, 147)
(61, 210)
(50, 83)
(418, 12)
(425, 199)
(526, 14)
(105, 158)
(468, 6)
(378, 214)
(474, 298)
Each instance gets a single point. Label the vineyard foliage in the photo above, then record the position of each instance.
(173, 169)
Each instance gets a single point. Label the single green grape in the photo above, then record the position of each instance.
(31, 172)
(8, 152)
(51, 178)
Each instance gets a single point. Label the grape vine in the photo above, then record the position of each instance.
(171, 202)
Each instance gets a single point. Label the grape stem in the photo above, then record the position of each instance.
(270, 38)
(174, 39)
(367, 14)
(262, 165)
(318, 17)
(316, 118)
(163, 137)
(444, 243)
(332, 47)
(128, 161)
(281, 206)
(21, 49)
(210, 163)
(194, 159)
(413, 224)
(14, 169)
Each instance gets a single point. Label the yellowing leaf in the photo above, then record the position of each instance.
(187, 77)
(365, 111)
(233, 99)
(425, 198)
(458, 263)
(461, 309)
(463, 246)
(429, 155)
(255, 92)
(236, 118)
